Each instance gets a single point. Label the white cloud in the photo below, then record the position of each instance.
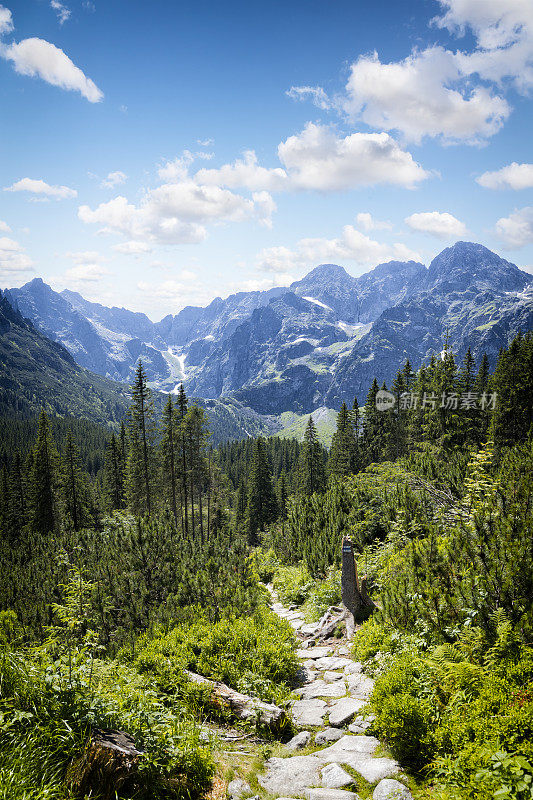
(516, 230)
(62, 11)
(436, 223)
(84, 273)
(41, 59)
(40, 187)
(205, 142)
(503, 30)
(13, 259)
(316, 94)
(513, 176)
(245, 172)
(4, 227)
(262, 284)
(178, 168)
(318, 159)
(6, 20)
(423, 96)
(456, 95)
(368, 223)
(351, 246)
(132, 248)
(86, 256)
(175, 213)
(114, 179)
(174, 294)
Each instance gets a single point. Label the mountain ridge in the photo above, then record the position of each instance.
(314, 343)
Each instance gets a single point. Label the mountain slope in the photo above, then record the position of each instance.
(37, 373)
(471, 296)
(317, 343)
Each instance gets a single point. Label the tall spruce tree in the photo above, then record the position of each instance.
(182, 455)
(114, 474)
(44, 481)
(371, 441)
(343, 446)
(74, 487)
(141, 463)
(311, 469)
(169, 455)
(262, 507)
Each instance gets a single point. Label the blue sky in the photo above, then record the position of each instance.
(157, 155)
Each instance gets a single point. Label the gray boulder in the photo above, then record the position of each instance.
(308, 713)
(344, 710)
(238, 788)
(335, 777)
(330, 794)
(389, 789)
(289, 776)
(299, 741)
(328, 735)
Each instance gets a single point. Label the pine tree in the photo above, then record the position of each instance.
(169, 454)
(343, 446)
(311, 472)
(261, 507)
(141, 467)
(372, 427)
(74, 488)
(240, 508)
(18, 516)
(114, 474)
(44, 481)
(182, 454)
(355, 417)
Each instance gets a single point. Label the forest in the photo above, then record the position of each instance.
(130, 556)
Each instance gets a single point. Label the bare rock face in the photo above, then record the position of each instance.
(109, 763)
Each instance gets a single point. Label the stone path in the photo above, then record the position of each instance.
(330, 714)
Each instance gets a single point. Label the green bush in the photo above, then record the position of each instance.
(48, 707)
(293, 584)
(322, 595)
(255, 654)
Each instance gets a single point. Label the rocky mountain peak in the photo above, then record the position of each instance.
(468, 265)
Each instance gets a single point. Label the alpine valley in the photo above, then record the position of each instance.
(263, 358)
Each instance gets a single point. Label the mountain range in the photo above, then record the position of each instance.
(314, 344)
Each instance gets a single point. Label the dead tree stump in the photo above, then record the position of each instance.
(354, 591)
(109, 764)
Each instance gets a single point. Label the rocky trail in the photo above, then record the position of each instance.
(338, 754)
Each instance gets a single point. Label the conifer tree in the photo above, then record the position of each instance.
(18, 512)
(373, 421)
(114, 474)
(73, 485)
(343, 446)
(141, 467)
(240, 508)
(355, 417)
(182, 454)
(261, 507)
(311, 472)
(44, 481)
(169, 454)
